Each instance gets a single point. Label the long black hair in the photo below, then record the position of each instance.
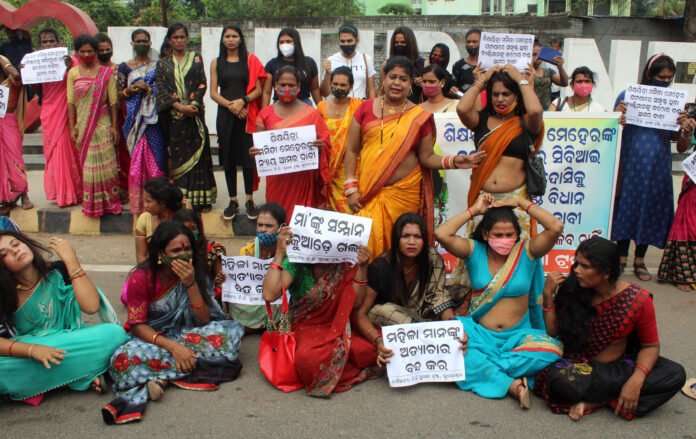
(494, 216)
(444, 49)
(8, 291)
(184, 215)
(511, 85)
(175, 27)
(574, 307)
(655, 65)
(411, 44)
(300, 62)
(162, 236)
(242, 52)
(165, 193)
(402, 294)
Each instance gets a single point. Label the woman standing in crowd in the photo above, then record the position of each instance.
(271, 217)
(463, 70)
(679, 258)
(93, 114)
(105, 51)
(44, 342)
(609, 335)
(180, 335)
(338, 113)
(290, 54)
(544, 77)
(511, 120)
(304, 188)
(582, 81)
(240, 76)
(435, 90)
(403, 43)
(141, 130)
(508, 344)
(406, 284)
(13, 173)
(644, 206)
(440, 56)
(393, 140)
(181, 86)
(62, 177)
(161, 200)
(329, 356)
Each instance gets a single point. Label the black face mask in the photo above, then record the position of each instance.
(105, 57)
(472, 51)
(400, 50)
(339, 92)
(347, 49)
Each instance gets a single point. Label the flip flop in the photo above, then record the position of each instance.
(687, 288)
(524, 395)
(689, 388)
(641, 272)
(28, 205)
(155, 389)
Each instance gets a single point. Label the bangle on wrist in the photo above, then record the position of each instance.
(643, 369)
(360, 281)
(154, 338)
(198, 305)
(9, 351)
(531, 203)
(551, 308)
(190, 285)
(470, 212)
(30, 349)
(275, 266)
(374, 342)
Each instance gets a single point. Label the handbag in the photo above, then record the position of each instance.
(536, 174)
(277, 350)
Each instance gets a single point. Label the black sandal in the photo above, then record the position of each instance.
(641, 272)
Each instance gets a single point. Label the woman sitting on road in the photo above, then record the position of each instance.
(609, 334)
(329, 356)
(180, 335)
(271, 217)
(508, 343)
(44, 342)
(161, 200)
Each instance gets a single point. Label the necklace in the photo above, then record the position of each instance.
(339, 110)
(574, 107)
(31, 288)
(381, 131)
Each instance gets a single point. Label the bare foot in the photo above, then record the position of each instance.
(97, 385)
(520, 391)
(687, 288)
(577, 411)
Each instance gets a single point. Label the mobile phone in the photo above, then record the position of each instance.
(691, 110)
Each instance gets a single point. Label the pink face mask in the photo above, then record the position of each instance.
(583, 89)
(431, 90)
(502, 246)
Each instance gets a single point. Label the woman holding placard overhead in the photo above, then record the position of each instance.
(304, 188)
(644, 206)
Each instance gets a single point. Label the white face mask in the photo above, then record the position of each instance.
(287, 49)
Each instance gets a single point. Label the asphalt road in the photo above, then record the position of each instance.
(249, 407)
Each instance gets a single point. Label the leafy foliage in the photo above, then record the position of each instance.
(396, 9)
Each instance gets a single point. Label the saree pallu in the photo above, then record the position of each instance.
(100, 183)
(190, 160)
(137, 362)
(328, 356)
(494, 359)
(143, 137)
(305, 188)
(52, 317)
(382, 152)
(678, 263)
(62, 177)
(13, 173)
(338, 130)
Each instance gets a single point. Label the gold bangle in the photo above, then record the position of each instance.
(29, 353)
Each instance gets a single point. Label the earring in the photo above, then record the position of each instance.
(159, 260)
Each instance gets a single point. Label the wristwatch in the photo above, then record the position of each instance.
(523, 82)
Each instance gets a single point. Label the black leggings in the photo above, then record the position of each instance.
(231, 180)
(624, 244)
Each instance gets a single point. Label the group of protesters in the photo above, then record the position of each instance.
(580, 342)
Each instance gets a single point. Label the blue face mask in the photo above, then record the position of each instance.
(657, 83)
(266, 239)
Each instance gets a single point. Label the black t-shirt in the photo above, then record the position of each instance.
(517, 148)
(463, 73)
(306, 76)
(378, 280)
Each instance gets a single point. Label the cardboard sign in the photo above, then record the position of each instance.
(286, 150)
(654, 107)
(44, 66)
(501, 49)
(244, 280)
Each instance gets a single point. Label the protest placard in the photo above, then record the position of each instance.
(325, 237)
(44, 66)
(654, 107)
(501, 49)
(244, 279)
(689, 166)
(424, 352)
(4, 98)
(286, 150)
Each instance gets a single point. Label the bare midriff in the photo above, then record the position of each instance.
(507, 176)
(612, 352)
(506, 313)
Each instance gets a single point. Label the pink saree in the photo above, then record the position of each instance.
(13, 175)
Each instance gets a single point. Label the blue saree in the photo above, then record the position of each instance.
(52, 317)
(166, 308)
(494, 359)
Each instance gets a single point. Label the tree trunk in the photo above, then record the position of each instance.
(690, 20)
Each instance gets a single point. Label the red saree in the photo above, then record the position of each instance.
(304, 188)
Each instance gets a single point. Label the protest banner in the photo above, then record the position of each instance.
(4, 98)
(244, 280)
(424, 352)
(581, 155)
(286, 150)
(43, 66)
(325, 237)
(654, 107)
(689, 166)
(501, 49)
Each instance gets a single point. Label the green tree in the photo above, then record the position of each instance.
(396, 9)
